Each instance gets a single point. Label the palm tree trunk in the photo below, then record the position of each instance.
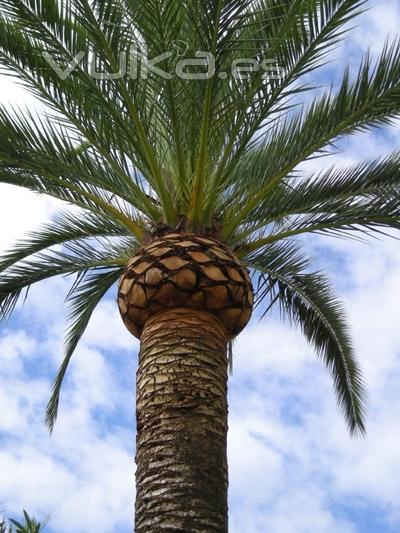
(182, 473)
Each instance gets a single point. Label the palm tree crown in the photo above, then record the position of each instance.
(143, 155)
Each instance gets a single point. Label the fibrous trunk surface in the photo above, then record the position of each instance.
(181, 476)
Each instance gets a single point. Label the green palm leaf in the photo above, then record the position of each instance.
(86, 294)
(62, 229)
(31, 525)
(308, 301)
(364, 198)
(371, 100)
(78, 258)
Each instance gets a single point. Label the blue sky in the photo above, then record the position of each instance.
(293, 466)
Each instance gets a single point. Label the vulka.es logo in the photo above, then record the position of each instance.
(135, 64)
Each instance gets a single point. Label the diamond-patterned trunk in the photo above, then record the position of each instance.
(185, 296)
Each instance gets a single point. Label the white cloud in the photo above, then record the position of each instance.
(22, 211)
(83, 474)
(14, 347)
(380, 21)
(107, 330)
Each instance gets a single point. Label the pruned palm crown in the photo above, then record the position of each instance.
(218, 157)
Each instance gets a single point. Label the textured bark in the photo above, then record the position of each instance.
(182, 476)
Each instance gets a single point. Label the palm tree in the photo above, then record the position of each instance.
(30, 525)
(184, 187)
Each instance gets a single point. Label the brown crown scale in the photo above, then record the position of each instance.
(185, 270)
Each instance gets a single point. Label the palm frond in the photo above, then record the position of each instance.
(294, 38)
(97, 267)
(91, 17)
(31, 525)
(371, 100)
(44, 147)
(362, 198)
(308, 301)
(30, 34)
(78, 257)
(84, 298)
(158, 27)
(62, 229)
(110, 119)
